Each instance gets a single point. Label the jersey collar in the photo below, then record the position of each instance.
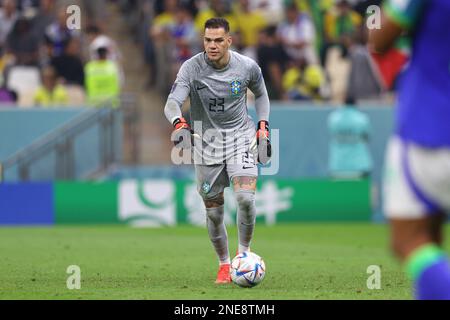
(208, 62)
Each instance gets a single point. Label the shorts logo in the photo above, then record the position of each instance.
(236, 87)
(206, 187)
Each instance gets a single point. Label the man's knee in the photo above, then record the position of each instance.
(245, 200)
(214, 202)
(247, 210)
(214, 208)
(215, 215)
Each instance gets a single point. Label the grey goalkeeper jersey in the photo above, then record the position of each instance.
(218, 100)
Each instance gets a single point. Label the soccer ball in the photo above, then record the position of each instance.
(247, 269)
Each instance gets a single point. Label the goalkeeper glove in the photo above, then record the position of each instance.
(261, 144)
(182, 134)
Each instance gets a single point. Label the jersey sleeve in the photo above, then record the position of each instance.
(181, 87)
(178, 94)
(258, 87)
(406, 13)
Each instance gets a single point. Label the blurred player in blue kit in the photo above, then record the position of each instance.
(417, 168)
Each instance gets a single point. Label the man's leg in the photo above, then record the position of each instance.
(244, 189)
(412, 176)
(216, 227)
(212, 180)
(417, 243)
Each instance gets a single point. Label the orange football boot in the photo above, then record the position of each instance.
(223, 276)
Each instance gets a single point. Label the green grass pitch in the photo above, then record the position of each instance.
(303, 261)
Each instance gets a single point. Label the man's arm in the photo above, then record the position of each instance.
(172, 110)
(258, 87)
(261, 143)
(396, 17)
(380, 40)
(179, 93)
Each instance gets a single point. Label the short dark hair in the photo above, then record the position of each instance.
(217, 23)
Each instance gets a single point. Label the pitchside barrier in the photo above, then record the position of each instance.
(303, 146)
(166, 202)
(21, 127)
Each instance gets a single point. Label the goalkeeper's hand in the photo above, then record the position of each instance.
(261, 144)
(182, 134)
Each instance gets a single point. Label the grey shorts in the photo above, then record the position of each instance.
(213, 179)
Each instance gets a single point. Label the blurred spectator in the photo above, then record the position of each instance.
(250, 23)
(44, 17)
(69, 65)
(185, 37)
(102, 78)
(316, 10)
(27, 6)
(161, 36)
(23, 44)
(6, 61)
(164, 22)
(158, 6)
(98, 40)
(341, 23)
(7, 97)
(272, 10)
(8, 17)
(364, 81)
(57, 34)
(190, 5)
(304, 82)
(95, 11)
(50, 93)
(349, 155)
(297, 35)
(216, 8)
(272, 58)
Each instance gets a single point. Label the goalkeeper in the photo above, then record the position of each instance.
(227, 147)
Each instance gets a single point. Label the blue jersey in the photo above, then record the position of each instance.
(423, 112)
(349, 153)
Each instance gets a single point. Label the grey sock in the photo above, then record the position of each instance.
(246, 216)
(218, 233)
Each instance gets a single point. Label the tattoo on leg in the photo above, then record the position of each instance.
(244, 183)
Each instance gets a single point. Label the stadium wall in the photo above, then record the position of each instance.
(166, 202)
(92, 136)
(21, 127)
(304, 141)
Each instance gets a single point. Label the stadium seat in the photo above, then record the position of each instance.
(25, 81)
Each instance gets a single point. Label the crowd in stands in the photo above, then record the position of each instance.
(308, 50)
(313, 50)
(45, 62)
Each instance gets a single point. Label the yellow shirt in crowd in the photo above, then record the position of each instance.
(55, 98)
(250, 24)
